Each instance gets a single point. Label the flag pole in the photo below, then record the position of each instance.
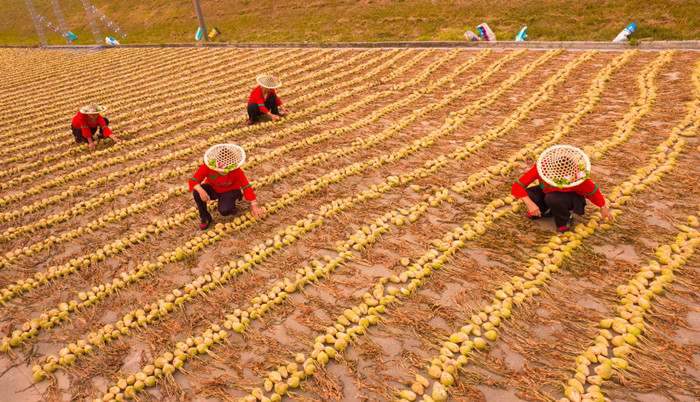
(201, 20)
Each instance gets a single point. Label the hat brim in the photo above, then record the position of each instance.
(584, 159)
(231, 168)
(86, 110)
(279, 84)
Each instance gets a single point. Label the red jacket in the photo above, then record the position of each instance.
(82, 122)
(257, 97)
(223, 183)
(587, 189)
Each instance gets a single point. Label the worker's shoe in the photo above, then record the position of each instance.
(205, 224)
(249, 123)
(567, 228)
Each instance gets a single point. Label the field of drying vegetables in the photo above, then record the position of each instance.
(391, 262)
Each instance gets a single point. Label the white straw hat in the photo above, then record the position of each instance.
(93, 109)
(563, 166)
(224, 157)
(268, 81)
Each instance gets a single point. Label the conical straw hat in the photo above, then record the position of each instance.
(563, 166)
(224, 157)
(93, 109)
(268, 81)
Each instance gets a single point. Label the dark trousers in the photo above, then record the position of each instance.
(560, 203)
(78, 133)
(254, 113)
(227, 201)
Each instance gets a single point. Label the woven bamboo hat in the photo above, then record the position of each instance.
(563, 166)
(268, 81)
(93, 109)
(224, 157)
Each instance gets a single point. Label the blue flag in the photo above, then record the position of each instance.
(521, 35)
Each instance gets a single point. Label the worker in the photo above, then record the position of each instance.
(564, 186)
(264, 100)
(86, 123)
(220, 178)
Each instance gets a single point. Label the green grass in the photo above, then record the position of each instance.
(149, 21)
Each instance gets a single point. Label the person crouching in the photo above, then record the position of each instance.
(220, 178)
(564, 186)
(86, 123)
(264, 100)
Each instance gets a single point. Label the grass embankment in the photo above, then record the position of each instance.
(174, 21)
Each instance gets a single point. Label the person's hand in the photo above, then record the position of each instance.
(274, 117)
(115, 139)
(607, 216)
(257, 211)
(203, 195)
(91, 145)
(533, 208)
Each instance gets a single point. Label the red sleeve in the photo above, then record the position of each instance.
(590, 190)
(101, 122)
(76, 120)
(246, 187)
(279, 101)
(199, 176)
(82, 124)
(521, 184)
(257, 98)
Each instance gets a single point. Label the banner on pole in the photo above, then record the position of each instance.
(214, 33)
(623, 36)
(471, 36)
(486, 32)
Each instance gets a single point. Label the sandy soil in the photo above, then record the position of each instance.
(537, 347)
